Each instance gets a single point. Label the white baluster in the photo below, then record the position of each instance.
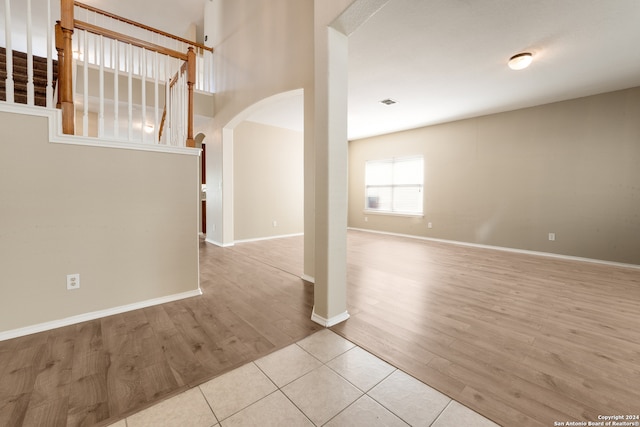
(183, 107)
(143, 105)
(167, 100)
(179, 113)
(185, 104)
(156, 81)
(9, 51)
(198, 69)
(175, 107)
(96, 49)
(75, 54)
(85, 84)
(49, 56)
(30, 86)
(180, 110)
(212, 87)
(116, 73)
(101, 89)
(205, 68)
(130, 89)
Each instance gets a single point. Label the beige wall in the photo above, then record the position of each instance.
(270, 47)
(571, 168)
(268, 181)
(263, 48)
(125, 220)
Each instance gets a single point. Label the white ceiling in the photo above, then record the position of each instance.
(444, 60)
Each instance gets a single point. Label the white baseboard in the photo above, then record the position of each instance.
(504, 249)
(257, 239)
(327, 323)
(222, 245)
(14, 333)
(308, 278)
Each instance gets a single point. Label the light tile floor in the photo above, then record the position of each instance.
(323, 380)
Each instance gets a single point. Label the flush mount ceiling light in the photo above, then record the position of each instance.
(388, 101)
(520, 61)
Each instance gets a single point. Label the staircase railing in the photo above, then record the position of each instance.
(113, 70)
(19, 19)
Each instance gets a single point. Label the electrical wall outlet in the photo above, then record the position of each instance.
(73, 281)
(552, 236)
(429, 225)
(275, 223)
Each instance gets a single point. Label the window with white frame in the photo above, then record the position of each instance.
(394, 185)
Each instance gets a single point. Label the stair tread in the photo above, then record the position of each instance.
(20, 77)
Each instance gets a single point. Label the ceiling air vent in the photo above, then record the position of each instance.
(388, 101)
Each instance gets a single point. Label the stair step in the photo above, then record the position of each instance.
(20, 77)
(22, 99)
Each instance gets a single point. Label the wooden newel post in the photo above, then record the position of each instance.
(64, 34)
(191, 79)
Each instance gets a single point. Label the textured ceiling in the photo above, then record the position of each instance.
(443, 60)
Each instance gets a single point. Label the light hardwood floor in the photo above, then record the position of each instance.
(97, 372)
(524, 340)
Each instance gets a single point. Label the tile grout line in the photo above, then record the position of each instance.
(279, 389)
(364, 393)
(441, 412)
(325, 364)
(209, 405)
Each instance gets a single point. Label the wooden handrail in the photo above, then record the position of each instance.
(81, 25)
(137, 24)
(164, 117)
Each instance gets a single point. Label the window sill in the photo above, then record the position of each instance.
(375, 212)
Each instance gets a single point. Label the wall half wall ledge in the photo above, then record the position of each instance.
(56, 135)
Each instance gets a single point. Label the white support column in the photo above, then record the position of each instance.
(330, 290)
(331, 150)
